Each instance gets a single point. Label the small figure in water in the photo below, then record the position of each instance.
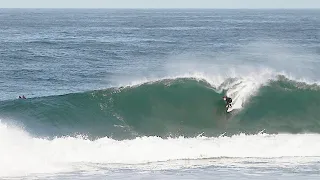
(23, 97)
(228, 100)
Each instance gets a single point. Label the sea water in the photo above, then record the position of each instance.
(137, 94)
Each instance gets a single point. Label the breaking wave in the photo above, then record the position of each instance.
(171, 108)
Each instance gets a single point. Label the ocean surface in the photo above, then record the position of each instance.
(137, 94)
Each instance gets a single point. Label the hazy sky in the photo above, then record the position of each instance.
(159, 3)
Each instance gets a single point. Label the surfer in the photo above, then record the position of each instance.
(23, 97)
(228, 100)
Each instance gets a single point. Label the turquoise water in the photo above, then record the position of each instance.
(137, 93)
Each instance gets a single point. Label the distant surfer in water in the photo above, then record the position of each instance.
(23, 97)
(228, 100)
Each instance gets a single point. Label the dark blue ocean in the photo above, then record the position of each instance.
(136, 94)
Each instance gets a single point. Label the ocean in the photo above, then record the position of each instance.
(137, 94)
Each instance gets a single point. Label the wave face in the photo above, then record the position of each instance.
(172, 107)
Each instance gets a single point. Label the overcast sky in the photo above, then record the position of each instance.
(160, 4)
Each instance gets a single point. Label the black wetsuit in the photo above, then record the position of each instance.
(229, 101)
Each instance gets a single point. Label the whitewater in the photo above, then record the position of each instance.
(64, 154)
(113, 96)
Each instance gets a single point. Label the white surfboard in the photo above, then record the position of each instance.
(230, 109)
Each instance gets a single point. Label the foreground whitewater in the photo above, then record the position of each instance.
(22, 154)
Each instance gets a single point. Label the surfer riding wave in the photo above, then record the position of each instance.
(228, 101)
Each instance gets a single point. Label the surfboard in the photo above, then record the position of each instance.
(230, 109)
